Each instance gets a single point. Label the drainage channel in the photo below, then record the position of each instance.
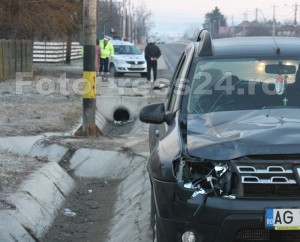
(110, 201)
(91, 189)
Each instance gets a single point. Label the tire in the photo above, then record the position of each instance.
(156, 227)
(113, 70)
(143, 74)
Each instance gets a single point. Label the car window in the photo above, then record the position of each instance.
(242, 84)
(175, 83)
(126, 50)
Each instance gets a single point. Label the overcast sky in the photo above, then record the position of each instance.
(173, 17)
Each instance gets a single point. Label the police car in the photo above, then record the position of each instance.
(127, 59)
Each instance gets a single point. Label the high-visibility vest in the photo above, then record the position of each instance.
(106, 51)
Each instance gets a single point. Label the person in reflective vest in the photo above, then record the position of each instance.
(107, 51)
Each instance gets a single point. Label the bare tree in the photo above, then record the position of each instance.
(143, 21)
(109, 17)
(191, 33)
(38, 19)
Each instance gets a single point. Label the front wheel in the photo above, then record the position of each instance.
(143, 74)
(113, 70)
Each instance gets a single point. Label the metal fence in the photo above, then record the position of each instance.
(19, 55)
(15, 56)
(54, 52)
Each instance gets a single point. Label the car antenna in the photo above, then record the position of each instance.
(277, 48)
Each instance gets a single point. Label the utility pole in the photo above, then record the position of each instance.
(124, 19)
(89, 127)
(256, 15)
(233, 27)
(244, 23)
(129, 21)
(274, 21)
(295, 17)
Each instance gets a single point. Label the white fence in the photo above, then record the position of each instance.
(55, 51)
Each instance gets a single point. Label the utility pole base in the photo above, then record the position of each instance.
(91, 131)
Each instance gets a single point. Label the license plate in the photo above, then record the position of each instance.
(136, 66)
(283, 218)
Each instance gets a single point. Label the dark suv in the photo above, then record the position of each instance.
(225, 146)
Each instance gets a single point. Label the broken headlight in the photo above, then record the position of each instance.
(204, 177)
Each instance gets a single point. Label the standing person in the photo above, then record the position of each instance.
(98, 56)
(152, 53)
(107, 51)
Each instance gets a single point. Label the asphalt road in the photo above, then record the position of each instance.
(172, 52)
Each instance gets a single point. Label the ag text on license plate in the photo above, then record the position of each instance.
(283, 218)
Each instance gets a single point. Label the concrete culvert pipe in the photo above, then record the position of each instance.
(121, 114)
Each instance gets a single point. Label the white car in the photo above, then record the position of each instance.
(127, 59)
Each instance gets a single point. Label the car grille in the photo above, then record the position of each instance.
(136, 69)
(265, 179)
(261, 235)
(135, 63)
(276, 190)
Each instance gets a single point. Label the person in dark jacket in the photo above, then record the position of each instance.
(152, 53)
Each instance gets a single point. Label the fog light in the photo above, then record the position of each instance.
(188, 237)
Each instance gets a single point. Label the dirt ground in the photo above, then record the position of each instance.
(90, 211)
(27, 111)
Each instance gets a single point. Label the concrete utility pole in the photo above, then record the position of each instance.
(129, 21)
(274, 21)
(295, 16)
(256, 15)
(233, 27)
(124, 19)
(89, 127)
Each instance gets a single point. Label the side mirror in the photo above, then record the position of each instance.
(153, 113)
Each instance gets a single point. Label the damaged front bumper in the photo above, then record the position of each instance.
(211, 218)
(226, 201)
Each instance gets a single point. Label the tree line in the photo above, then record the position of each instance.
(57, 19)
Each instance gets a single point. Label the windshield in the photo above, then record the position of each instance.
(126, 50)
(244, 84)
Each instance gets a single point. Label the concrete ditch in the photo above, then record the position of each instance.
(39, 198)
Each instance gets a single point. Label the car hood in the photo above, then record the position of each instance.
(130, 57)
(229, 135)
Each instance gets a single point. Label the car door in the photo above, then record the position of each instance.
(157, 132)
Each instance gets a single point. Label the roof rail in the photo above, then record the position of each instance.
(205, 43)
